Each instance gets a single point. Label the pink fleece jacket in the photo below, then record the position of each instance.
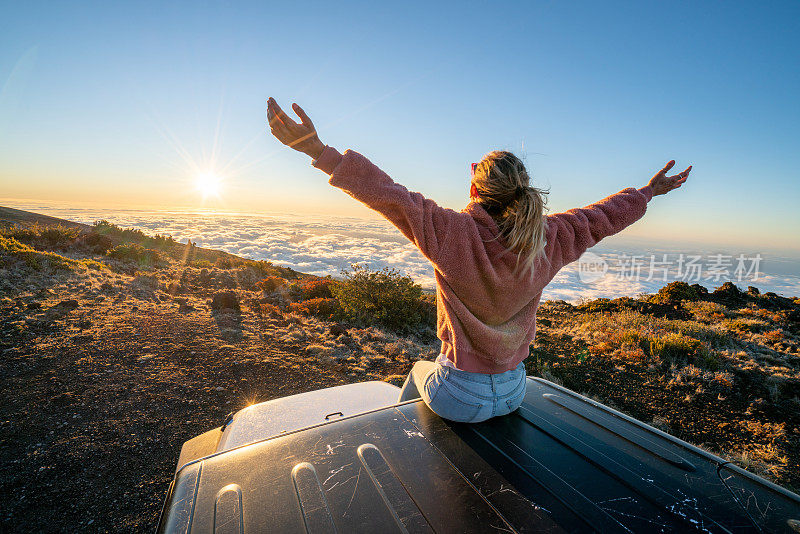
(486, 314)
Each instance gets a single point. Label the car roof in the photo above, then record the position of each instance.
(561, 463)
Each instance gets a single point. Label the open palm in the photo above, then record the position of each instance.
(663, 184)
(301, 137)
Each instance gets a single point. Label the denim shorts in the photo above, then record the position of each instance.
(473, 397)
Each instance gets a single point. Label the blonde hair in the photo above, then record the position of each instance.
(505, 192)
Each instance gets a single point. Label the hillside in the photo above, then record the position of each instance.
(117, 346)
(27, 219)
(720, 370)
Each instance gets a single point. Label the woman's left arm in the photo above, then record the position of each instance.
(420, 219)
(576, 230)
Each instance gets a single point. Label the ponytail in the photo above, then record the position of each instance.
(518, 208)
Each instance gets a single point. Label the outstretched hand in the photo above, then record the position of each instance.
(301, 137)
(663, 184)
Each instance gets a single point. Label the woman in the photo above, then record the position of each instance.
(492, 260)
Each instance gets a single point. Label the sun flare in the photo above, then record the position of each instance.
(209, 184)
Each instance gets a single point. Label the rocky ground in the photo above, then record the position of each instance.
(108, 366)
(723, 377)
(105, 376)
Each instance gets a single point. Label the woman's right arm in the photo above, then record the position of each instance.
(576, 230)
(420, 219)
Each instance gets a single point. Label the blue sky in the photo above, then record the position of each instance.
(122, 104)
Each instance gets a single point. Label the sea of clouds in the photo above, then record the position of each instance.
(324, 245)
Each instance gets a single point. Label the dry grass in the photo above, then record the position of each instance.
(727, 376)
(39, 236)
(13, 252)
(707, 312)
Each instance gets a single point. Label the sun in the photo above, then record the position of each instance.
(209, 184)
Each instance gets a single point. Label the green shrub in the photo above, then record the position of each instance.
(312, 288)
(380, 297)
(632, 338)
(427, 306)
(131, 235)
(708, 312)
(597, 305)
(12, 251)
(324, 308)
(673, 347)
(678, 348)
(98, 243)
(742, 324)
(44, 237)
(224, 262)
(675, 292)
(702, 291)
(133, 252)
(202, 264)
(267, 309)
(714, 335)
(271, 284)
(262, 266)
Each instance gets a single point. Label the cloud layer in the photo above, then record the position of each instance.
(326, 245)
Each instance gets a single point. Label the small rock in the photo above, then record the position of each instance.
(183, 305)
(70, 304)
(219, 388)
(338, 330)
(174, 288)
(225, 300)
